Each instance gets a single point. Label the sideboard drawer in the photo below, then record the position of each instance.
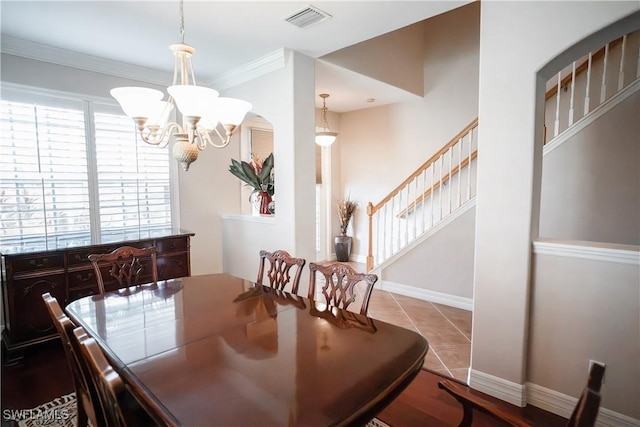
(43, 261)
(82, 278)
(172, 245)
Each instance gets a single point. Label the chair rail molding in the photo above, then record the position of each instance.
(595, 251)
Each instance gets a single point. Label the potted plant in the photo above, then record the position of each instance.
(258, 175)
(343, 243)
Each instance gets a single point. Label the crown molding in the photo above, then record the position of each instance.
(40, 52)
(251, 70)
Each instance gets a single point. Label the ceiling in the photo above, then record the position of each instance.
(226, 34)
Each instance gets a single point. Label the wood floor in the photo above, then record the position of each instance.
(44, 375)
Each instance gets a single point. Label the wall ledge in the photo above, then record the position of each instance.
(264, 219)
(595, 251)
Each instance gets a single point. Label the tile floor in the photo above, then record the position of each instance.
(447, 329)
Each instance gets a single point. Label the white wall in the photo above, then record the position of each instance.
(285, 98)
(380, 147)
(514, 46)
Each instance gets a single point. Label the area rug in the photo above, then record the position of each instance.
(60, 412)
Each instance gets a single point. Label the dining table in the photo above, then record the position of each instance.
(218, 350)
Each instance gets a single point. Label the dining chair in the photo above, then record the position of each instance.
(340, 284)
(279, 273)
(584, 413)
(86, 396)
(119, 407)
(125, 265)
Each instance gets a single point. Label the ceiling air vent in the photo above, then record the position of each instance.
(307, 16)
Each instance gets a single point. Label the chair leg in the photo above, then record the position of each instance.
(467, 418)
(83, 419)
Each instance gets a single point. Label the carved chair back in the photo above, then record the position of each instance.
(281, 265)
(125, 265)
(119, 407)
(340, 283)
(86, 395)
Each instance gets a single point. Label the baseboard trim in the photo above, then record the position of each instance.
(561, 404)
(497, 387)
(426, 295)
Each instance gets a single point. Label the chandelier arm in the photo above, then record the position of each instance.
(205, 135)
(160, 140)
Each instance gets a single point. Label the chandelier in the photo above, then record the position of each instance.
(325, 137)
(203, 111)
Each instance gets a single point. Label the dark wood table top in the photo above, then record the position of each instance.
(215, 350)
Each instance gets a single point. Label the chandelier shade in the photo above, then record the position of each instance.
(325, 137)
(203, 111)
(137, 101)
(193, 101)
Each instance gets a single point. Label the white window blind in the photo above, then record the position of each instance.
(133, 181)
(261, 143)
(49, 147)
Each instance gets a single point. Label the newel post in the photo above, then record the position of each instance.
(370, 253)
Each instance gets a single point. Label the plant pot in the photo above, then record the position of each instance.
(342, 246)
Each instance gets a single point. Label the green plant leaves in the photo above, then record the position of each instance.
(262, 181)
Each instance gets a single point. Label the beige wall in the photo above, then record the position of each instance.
(445, 260)
(591, 183)
(380, 146)
(586, 309)
(513, 48)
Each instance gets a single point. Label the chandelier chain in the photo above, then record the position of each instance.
(182, 21)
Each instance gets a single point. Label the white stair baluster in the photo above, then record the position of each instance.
(449, 180)
(433, 166)
(384, 236)
(573, 90)
(396, 219)
(440, 186)
(424, 189)
(415, 206)
(556, 128)
(460, 171)
(469, 167)
(588, 88)
(621, 72)
(603, 88)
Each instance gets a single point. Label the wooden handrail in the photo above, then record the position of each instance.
(580, 69)
(425, 165)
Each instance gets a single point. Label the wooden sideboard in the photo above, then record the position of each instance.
(67, 275)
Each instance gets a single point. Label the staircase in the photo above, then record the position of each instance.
(444, 186)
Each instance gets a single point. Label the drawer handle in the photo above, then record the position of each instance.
(37, 264)
(88, 277)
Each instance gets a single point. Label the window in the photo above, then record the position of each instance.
(72, 173)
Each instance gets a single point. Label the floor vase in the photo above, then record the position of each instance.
(343, 247)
